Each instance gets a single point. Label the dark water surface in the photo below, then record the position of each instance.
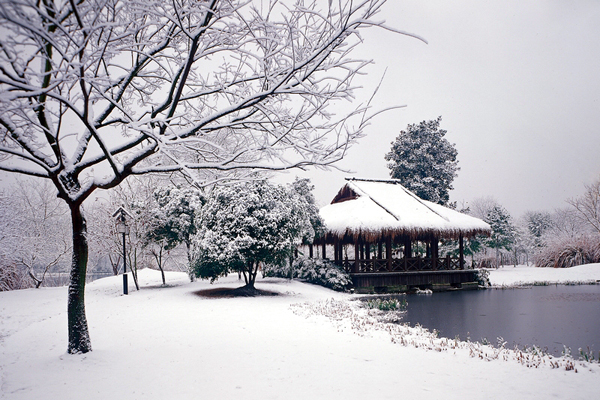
(549, 317)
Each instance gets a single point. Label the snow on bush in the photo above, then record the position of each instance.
(312, 270)
(483, 277)
(569, 252)
(11, 277)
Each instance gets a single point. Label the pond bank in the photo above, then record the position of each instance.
(522, 275)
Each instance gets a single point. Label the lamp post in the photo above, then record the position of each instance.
(123, 229)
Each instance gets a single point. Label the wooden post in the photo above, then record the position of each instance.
(388, 252)
(336, 254)
(310, 250)
(407, 248)
(434, 252)
(380, 250)
(461, 252)
(367, 251)
(324, 250)
(356, 255)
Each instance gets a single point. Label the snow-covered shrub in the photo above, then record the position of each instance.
(277, 270)
(487, 262)
(569, 252)
(483, 277)
(321, 272)
(11, 277)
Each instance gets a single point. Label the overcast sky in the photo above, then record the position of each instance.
(517, 84)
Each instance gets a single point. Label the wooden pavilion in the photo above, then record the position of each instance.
(388, 239)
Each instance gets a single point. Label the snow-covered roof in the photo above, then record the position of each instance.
(370, 209)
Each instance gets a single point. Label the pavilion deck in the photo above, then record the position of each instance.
(407, 274)
(375, 265)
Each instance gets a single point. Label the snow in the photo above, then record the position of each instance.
(166, 342)
(520, 275)
(387, 205)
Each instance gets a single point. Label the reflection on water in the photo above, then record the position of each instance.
(549, 317)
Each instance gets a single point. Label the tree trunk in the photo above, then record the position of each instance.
(188, 246)
(79, 337)
(159, 259)
(133, 268)
(252, 272)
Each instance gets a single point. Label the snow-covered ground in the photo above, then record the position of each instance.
(307, 343)
(526, 275)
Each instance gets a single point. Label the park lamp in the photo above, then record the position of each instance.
(123, 229)
(122, 226)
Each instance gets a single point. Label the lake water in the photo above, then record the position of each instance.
(549, 317)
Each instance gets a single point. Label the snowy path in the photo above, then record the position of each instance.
(162, 343)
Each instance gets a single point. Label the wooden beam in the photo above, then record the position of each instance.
(356, 256)
(461, 251)
(388, 252)
(335, 250)
(407, 248)
(434, 252)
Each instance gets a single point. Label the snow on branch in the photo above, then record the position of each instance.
(95, 91)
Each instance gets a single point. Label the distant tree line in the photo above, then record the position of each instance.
(426, 163)
(561, 238)
(207, 232)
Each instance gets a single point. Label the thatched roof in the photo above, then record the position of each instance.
(371, 209)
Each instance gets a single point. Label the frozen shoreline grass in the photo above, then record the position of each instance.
(528, 284)
(348, 315)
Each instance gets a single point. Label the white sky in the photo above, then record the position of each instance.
(517, 84)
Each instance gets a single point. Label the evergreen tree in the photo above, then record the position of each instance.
(424, 161)
(248, 225)
(503, 231)
(174, 217)
(538, 223)
(308, 209)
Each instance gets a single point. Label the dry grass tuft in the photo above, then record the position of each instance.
(569, 252)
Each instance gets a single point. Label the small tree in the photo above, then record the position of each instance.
(538, 223)
(424, 161)
(503, 230)
(245, 226)
(587, 206)
(35, 229)
(308, 209)
(173, 219)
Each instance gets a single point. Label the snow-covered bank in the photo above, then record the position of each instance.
(526, 275)
(170, 343)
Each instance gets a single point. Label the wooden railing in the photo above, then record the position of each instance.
(402, 265)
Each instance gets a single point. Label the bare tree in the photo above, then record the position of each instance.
(565, 224)
(587, 206)
(481, 206)
(44, 242)
(11, 276)
(94, 91)
(36, 229)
